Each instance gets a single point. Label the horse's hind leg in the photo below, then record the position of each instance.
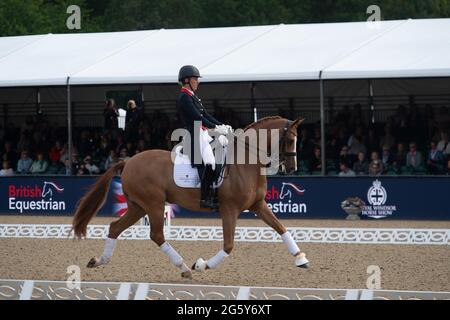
(133, 214)
(263, 211)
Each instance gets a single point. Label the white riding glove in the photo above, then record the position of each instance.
(223, 141)
(222, 130)
(229, 129)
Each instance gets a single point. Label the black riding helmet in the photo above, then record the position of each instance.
(188, 72)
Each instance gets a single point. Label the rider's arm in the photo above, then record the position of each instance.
(212, 119)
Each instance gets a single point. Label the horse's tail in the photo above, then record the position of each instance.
(93, 200)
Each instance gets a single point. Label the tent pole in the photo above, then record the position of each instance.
(69, 128)
(254, 108)
(322, 123)
(372, 106)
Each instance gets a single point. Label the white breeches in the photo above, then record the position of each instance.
(206, 149)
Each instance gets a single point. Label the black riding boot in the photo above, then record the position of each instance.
(208, 199)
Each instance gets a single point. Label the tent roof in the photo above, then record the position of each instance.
(386, 49)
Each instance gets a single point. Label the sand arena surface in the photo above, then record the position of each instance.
(403, 267)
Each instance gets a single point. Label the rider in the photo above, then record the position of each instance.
(191, 109)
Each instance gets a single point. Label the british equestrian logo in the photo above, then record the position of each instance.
(286, 200)
(36, 198)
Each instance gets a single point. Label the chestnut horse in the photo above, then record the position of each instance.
(147, 181)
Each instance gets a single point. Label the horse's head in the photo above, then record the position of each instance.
(288, 145)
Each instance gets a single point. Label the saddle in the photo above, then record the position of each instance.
(187, 176)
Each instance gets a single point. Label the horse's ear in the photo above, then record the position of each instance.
(297, 123)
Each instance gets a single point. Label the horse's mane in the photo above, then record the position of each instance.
(252, 125)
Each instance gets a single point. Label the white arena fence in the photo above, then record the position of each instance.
(243, 234)
(59, 290)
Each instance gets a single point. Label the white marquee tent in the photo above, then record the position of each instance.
(387, 49)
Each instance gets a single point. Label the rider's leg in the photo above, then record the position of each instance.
(133, 214)
(208, 176)
(263, 211)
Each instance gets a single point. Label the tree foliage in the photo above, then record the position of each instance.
(19, 17)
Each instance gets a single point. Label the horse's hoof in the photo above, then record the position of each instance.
(304, 266)
(199, 265)
(92, 263)
(187, 275)
(301, 261)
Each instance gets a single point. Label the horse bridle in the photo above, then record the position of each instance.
(283, 143)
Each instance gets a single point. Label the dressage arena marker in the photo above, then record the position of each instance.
(58, 290)
(243, 234)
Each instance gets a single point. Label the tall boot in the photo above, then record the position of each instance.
(207, 191)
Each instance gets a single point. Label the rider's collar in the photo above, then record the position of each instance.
(187, 91)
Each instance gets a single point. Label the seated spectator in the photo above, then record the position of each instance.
(448, 167)
(345, 170)
(124, 154)
(142, 146)
(444, 145)
(361, 166)
(24, 163)
(414, 159)
(435, 160)
(39, 165)
(90, 166)
(82, 171)
(54, 167)
(9, 154)
(376, 165)
(315, 163)
(6, 170)
(357, 146)
(387, 157)
(344, 156)
(111, 160)
(399, 158)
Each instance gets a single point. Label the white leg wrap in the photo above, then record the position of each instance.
(217, 259)
(174, 257)
(110, 244)
(289, 241)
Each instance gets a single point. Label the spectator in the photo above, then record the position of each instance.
(132, 121)
(372, 141)
(55, 151)
(399, 159)
(24, 164)
(124, 154)
(90, 166)
(315, 163)
(305, 145)
(6, 170)
(345, 157)
(345, 171)
(388, 139)
(361, 166)
(40, 165)
(356, 146)
(386, 157)
(376, 165)
(448, 167)
(111, 160)
(9, 154)
(444, 145)
(82, 171)
(54, 167)
(435, 159)
(414, 159)
(142, 146)
(110, 115)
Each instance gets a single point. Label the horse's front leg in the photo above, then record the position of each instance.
(263, 211)
(229, 218)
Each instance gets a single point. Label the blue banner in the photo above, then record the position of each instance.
(422, 198)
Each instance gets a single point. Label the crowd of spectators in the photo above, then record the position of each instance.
(413, 141)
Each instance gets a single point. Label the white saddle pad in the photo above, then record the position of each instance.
(185, 175)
